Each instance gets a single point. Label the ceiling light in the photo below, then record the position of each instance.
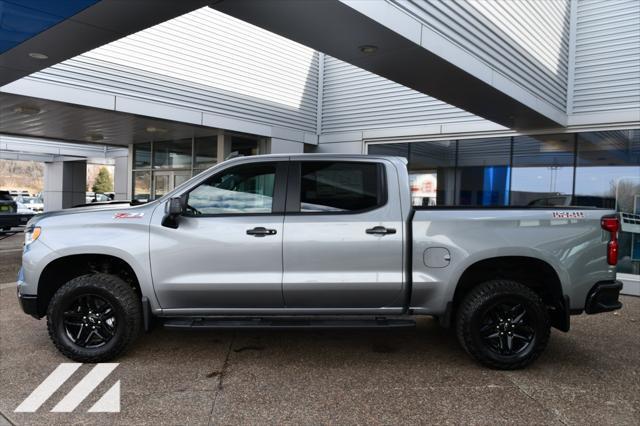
(94, 136)
(37, 55)
(152, 129)
(26, 109)
(368, 49)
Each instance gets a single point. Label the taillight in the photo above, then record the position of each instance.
(611, 224)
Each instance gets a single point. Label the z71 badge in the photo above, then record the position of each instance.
(123, 215)
(568, 215)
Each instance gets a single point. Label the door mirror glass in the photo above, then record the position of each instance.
(175, 206)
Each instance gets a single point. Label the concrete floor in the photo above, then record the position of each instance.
(588, 376)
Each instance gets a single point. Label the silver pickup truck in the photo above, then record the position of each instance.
(316, 241)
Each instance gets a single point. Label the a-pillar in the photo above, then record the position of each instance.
(65, 184)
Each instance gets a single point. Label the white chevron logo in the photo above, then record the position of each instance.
(108, 403)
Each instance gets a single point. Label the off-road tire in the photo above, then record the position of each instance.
(120, 295)
(481, 299)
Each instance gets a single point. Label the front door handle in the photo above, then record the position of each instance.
(380, 230)
(261, 232)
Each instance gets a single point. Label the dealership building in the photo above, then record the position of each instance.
(493, 103)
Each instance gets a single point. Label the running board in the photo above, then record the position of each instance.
(286, 323)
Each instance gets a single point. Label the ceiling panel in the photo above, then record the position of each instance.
(21, 115)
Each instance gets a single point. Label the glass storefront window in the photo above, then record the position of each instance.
(394, 149)
(142, 186)
(206, 152)
(432, 172)
(608, 175)
(542, 173)
(244, 146)
(142, 155)
(604, 159)
(483, 172)
(172, 154)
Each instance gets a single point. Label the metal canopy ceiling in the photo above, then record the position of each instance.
(93, 26)
(334, 28)
(329, 26)
(21, 115)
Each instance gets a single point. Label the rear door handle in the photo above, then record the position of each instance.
(261, 232)
(380, 230)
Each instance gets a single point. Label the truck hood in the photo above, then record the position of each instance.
(95, 208)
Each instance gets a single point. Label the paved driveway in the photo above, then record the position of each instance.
(588, 376)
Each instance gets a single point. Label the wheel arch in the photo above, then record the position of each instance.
(63, 269)
(535, 273)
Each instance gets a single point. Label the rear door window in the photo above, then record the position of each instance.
(341, 187)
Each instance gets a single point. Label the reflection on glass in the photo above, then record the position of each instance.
(206, 152)
(432, 172)
(141, 186)
(240, 190)
(483, 169)
(161, 185)
(605, 158)
(338, 187)
(394, 149)
(172, 154)
(542, 172)
(244, 146)
(142, 155)
(608, 175)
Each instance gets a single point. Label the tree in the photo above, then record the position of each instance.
(103, 181)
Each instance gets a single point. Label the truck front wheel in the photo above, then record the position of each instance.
(94, 318)
(503, 324)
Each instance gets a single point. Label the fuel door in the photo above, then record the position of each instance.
(436, 257)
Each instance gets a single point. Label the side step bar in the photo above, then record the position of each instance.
(286, 323)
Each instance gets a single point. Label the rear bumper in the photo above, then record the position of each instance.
(603, 297)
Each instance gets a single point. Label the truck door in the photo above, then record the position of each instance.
(227, 249)
(343, 235)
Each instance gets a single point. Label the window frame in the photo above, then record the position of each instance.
(294, 186)
(279, 190)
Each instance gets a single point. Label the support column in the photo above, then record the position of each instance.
(121, 180)
(65, 184)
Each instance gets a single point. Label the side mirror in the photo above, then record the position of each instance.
(173, 210)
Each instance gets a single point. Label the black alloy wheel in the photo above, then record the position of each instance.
(90, 321)
(506, 329)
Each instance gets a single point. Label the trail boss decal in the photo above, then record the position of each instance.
(568, 215)
(128, 215)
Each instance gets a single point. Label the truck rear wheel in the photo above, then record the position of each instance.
(503, 324)
(94, 318)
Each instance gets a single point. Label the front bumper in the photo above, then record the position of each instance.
(603, 297)
(29, 304)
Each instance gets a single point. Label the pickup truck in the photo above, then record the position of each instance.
(316, 240)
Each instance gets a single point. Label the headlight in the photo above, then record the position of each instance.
(31, 234)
